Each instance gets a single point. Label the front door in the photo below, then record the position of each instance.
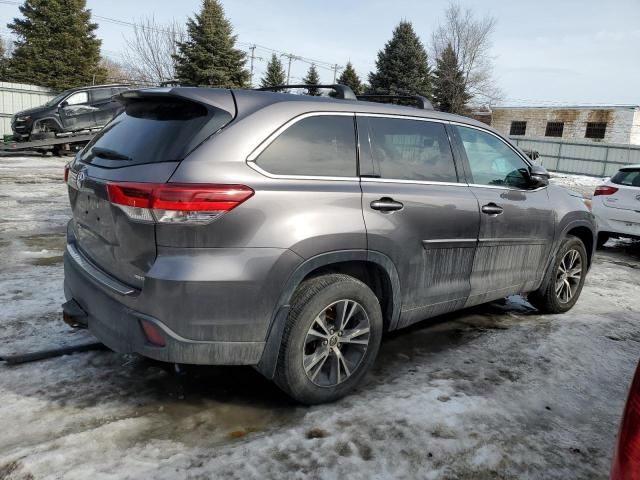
(76, 112)
(516, 223)
(417, 212)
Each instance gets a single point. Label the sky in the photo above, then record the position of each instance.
(544, 52)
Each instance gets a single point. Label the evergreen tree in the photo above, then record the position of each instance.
(350, 78)
(450, 92)
(401, 67)
(3, 61)
(275, 74)
(56, 45)
(209, 56)
(312, 78)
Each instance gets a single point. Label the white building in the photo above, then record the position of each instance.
(607, 124)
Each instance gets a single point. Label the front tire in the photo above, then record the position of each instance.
(565, 283)
(331, 339)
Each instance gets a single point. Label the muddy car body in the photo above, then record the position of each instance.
(288, 232)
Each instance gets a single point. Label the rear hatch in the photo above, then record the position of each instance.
(627, 196)
(139, 148)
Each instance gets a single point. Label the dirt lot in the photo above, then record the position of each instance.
(492, 392)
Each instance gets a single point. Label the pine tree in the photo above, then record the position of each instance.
(56, 45)
(401, 67)
(275, 74)
(350, 78)
(3, 60)
(312, 78)
(450, 93)
(209, 56)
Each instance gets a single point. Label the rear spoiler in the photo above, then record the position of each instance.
(220, 98)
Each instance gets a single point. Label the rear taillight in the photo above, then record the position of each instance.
(190, 203)
(626, 459)
(66, 173)
(604, 190)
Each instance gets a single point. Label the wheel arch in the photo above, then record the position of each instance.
(374, 269)
(39, 121)
(581, 228)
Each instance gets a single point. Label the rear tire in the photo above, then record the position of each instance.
(565, 283)
(330, 340)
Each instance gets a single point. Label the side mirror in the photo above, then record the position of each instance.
(64, 104)
(538, 176)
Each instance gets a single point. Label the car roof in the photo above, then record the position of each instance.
(249, 101)
(634, 167)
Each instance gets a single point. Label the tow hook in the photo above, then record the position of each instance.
(73, 315)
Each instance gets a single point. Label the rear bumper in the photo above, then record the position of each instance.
(115, 319)
(615, 220)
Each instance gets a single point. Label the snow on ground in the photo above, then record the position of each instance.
(582, 184)
(497, 391)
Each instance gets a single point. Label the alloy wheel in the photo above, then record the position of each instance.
(336, 343)
(568, 276)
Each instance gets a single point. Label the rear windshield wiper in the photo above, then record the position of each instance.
(109, 154)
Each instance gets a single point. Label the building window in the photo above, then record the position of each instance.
(518, 128)
(595, 129)
(554, 129)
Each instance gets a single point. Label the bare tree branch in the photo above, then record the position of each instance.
(148, 56)
(471, 41)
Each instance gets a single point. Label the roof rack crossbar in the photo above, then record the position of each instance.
(342, 91)
(420, 101)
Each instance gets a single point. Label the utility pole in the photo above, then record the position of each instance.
(253, 56)
(335, 72)
(291, 58)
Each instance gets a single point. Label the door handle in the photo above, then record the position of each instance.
(387, 204)
(492, 209)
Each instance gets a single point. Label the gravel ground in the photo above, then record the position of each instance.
(496, 391)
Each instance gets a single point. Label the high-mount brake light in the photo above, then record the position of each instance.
(605, 190)
(186, 203)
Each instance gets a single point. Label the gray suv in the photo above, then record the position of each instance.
(289, 232)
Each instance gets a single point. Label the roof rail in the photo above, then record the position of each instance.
(342, 91)
(174, 82)
(420, 101)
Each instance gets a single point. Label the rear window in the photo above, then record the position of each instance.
(154, 130)
(322, 146)
(627, 177)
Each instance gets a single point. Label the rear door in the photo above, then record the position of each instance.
(105, 107)
(418, 212)
(624, 204)
(516, 223)
(145, 143)
(627, 181)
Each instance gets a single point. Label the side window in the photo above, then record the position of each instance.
(320, 146)
(101, 94)
(411, 150)
(78, 98)
(492, 161)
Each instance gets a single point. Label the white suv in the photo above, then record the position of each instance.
(616, 205)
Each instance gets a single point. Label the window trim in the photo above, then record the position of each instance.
(460, 174)
(253, 156)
